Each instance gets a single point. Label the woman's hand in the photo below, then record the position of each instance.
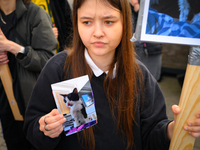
(7, 45)
(52, 123)
(3, 58)
(4, 42)
(55, 31)
(192, 126)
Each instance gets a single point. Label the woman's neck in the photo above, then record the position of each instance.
(8, 6)
(103, 64)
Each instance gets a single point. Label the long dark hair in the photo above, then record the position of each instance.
(123, 90)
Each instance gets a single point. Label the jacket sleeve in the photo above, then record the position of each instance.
(41, 39)
(41, 103)
(154, 119)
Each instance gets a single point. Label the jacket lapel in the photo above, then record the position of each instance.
(20, 9)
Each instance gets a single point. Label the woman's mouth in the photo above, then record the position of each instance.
(99, 44)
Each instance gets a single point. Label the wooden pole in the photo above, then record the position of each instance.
(189, 105)
(6, 79)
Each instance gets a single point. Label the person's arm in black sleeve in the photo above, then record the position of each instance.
(42, 102)
(154, 120)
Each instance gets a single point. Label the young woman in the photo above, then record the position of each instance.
(130, 106)
(26, 43)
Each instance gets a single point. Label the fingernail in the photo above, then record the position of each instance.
(64, 119)
(185, 128)
(198, 116)
(189, 124)
(176, 108)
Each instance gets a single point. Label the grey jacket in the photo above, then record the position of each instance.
(34, 26)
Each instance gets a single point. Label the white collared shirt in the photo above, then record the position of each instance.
(96, 70)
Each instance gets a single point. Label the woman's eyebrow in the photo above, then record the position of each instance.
(85, 17)
(103, 17)
(109, 17)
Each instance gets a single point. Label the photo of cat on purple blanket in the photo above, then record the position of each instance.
(77, 106)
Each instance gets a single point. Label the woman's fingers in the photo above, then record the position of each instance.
(52, 123)
(176, 111)
(51, 119)
(54, 132)
(193, 126)
(54, 129)
(3, 58)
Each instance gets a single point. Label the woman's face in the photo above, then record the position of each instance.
(100, 27)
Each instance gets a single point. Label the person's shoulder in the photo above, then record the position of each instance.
(32, 7)
(56, 62)
(148, 78)
(141, 65)
(143, 68)
(59, 58)
(54, 66)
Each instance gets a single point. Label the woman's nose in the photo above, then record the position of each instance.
(98, 31)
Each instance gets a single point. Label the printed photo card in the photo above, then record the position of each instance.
(74, 99)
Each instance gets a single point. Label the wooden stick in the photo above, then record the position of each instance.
(6, 79)
(189, 105)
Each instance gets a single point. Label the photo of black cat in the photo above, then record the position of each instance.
(78, 110)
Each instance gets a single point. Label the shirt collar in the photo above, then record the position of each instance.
(96, 70)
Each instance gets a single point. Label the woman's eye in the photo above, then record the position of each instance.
(108, 22)
(87, 22)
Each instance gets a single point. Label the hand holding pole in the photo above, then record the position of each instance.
(6, 79)
(189, 103)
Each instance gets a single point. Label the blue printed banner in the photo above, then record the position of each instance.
(158, 22)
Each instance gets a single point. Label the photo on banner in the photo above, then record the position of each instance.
(169, 21)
